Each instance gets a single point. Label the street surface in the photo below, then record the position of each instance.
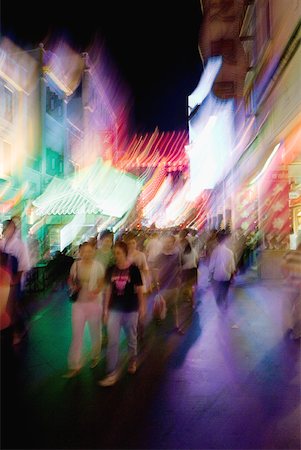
(232, 381)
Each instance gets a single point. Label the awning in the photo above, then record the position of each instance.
(99, 189)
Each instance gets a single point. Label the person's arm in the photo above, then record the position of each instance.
(100, 282)
(23, 262)
(72, 276)
(141, 300)
(138, 283)
(156, 272)
(108, 293)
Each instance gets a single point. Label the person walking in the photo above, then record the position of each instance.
(221, 270)
(124, 306)
(17, 257)
(138, 258)
(104, 251)
(87, 274)
(168, 277)
(189, 266)
(291, 269)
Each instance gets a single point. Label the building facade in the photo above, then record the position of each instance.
(263, 186)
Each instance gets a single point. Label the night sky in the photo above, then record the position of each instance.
(153, 45)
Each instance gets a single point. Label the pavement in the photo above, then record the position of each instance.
(232, 381)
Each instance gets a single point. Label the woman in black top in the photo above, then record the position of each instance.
(123, 307)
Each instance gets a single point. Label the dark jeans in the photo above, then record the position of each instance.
(220, 289)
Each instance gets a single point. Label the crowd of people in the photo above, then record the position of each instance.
(114, 277)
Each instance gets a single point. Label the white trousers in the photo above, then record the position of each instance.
(82, 313)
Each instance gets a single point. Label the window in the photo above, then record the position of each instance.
(54, 163)
(54, 104)
(225, 48)
(8, 104)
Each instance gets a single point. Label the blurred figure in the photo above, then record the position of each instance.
(211, 243)
(59, 269)
(168, 276)
(8, 357)
(137, 257)
(153, 248)
(124, 307)
(17, 265)
(5, 320)
(189, 263)
(89, 274)
(104, 252)
(221, 270)
(239, 248)
(291, 269)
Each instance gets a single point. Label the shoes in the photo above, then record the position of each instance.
(71, 373)
(94, 362)
(132, 367)
(109, 380)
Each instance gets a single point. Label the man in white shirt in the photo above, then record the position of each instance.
(221, 270)
(18, 264)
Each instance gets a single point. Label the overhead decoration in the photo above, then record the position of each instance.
(158, 149)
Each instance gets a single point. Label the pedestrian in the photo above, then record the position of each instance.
(104, 252)
(89, 275)
(138, 258)
(5, 319)
(18, 264)
(211, 243)
(105, 255)
(189, 271)
(168, 277)
(124, 307)
(221, 269)
(291, 269)
(153, 248)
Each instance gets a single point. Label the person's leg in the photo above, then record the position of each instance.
(216, 291)
(224, 288)
(130, 323)
(172, 300)
(94, 323)
(114, 327)
(78, 325)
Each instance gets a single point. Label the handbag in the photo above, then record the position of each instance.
(159, 307)
(74, 292)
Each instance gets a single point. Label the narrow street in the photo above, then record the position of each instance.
(231, 381)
